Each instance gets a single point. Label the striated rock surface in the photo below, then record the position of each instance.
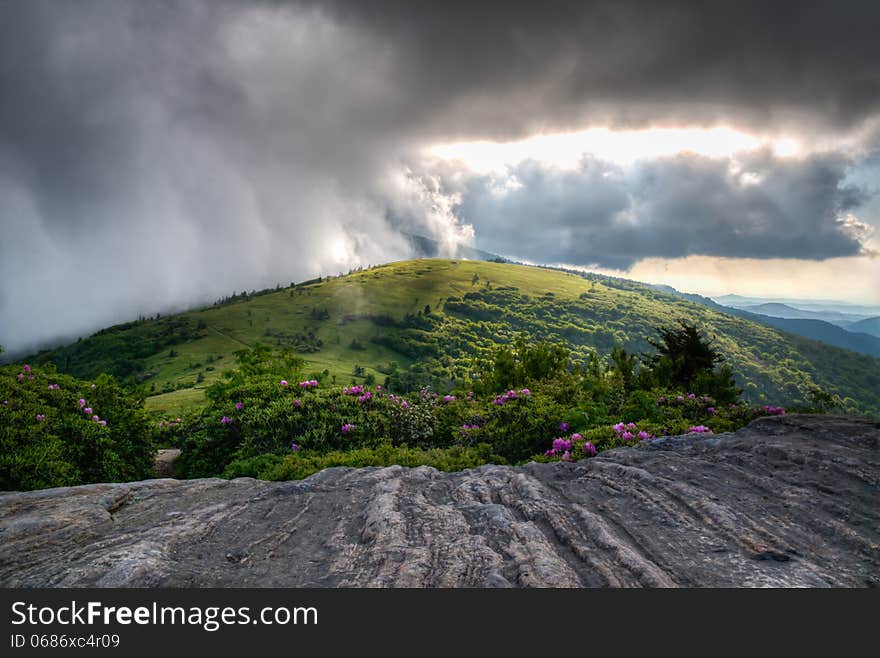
(790, 501)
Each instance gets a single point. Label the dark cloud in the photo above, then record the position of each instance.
(756, 206)
(154, 155)
(506, 69)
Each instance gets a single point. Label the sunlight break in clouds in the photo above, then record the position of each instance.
(623, 147)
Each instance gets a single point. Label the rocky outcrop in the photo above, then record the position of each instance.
(788, 501)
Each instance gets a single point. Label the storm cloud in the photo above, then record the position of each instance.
(157, 155)
(602, 214)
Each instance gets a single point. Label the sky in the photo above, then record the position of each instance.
(158, 155)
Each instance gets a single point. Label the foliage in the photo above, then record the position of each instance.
(297, 466)
(685, 359)
(56, 430)
(253, 416)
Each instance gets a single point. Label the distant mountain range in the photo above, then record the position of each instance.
(841, 314)
(820, 305)
(778, 310)
(859, 335)
(868, 326)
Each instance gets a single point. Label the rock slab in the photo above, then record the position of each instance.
(787, 501)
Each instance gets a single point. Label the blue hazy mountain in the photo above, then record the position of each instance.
(817, 329)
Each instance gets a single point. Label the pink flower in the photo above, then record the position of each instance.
(680, 398)
(627, 436)
(644, 436)
(95, 418)
(26, 368)
(348, 428)
(576, 437)
(699, 429)
(87, 411)
(566, 456)
(41, 417)
(20, 376)
(294, 447)
(619, 427)
(589, 448)
(404, 404)
(81, 403)
(284, 382)
(297, 404)
(225, 420)
(239, 406)
(710, 410)
(448, 398)
(102, 423)
(561, 445)
(691, 396)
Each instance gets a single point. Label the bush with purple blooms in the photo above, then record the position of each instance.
(567, 415)
(56, 430)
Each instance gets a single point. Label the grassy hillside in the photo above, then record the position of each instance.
(424, 321)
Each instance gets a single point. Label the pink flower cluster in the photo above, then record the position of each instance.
(563, 447)
(448, 398)
(88, 411)
(366, 397)
(41, 417)
(170, 423)
(774, 411)
(353, 390)
(309, 383)
(699, 429)
(511, 395)
(403, 403)
(348, 428)
(226, 420)
(630, 431)
(294, 447)
(54, 387)
(27, 369)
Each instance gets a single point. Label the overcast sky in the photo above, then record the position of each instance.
(154, 155)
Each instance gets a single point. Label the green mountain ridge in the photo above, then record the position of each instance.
(423, 322)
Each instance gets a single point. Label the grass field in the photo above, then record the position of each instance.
(394, 289)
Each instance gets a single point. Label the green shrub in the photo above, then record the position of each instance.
(303, 464)
(48, 440)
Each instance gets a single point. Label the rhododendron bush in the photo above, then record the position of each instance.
(56, 430)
